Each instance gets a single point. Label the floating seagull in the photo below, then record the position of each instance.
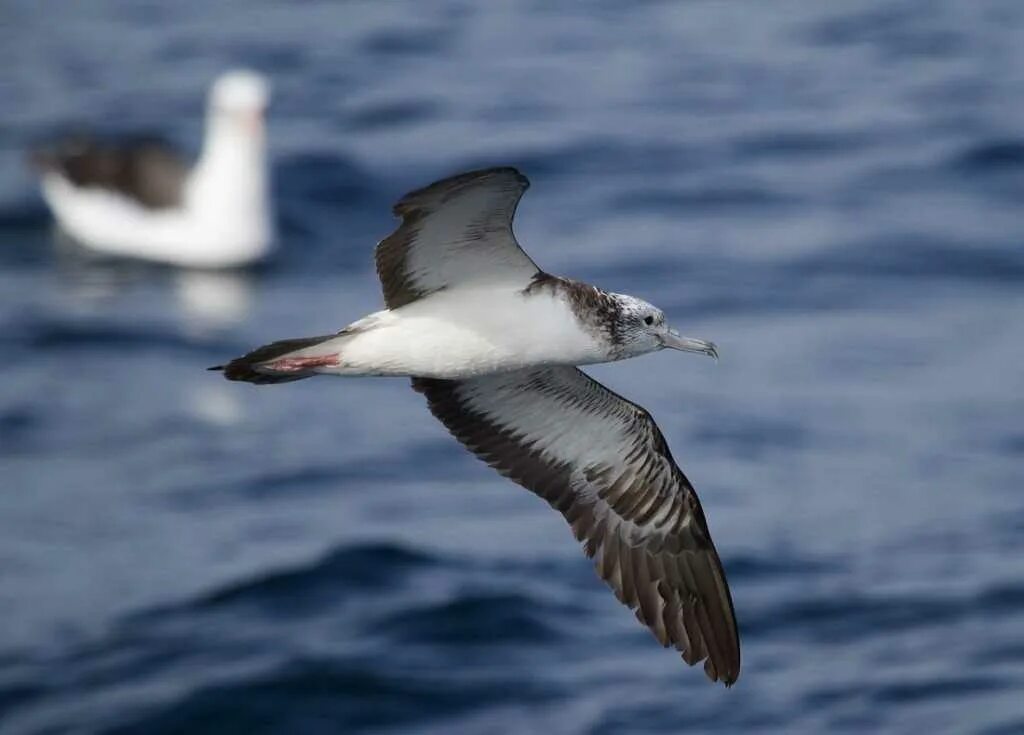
(140, 199)
(493, 342)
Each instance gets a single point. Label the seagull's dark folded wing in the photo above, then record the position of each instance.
(603, 463)
(455, 232)
(146, 170)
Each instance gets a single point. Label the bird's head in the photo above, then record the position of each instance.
(641, 328)
(238, 101)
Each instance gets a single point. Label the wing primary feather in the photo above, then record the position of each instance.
(621, 492)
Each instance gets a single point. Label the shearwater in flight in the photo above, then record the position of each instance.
(493, 342)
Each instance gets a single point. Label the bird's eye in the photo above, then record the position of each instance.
(648, 320)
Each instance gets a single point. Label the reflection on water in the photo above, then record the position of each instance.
(202, 306)
(213, 300)
(207, 300)
(90, 279)
(217, 403)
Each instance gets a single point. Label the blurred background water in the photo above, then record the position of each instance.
(830, 191)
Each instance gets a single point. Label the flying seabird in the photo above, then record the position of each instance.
(493, 342)
(139, 198)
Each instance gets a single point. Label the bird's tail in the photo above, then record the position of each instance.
(283, 361)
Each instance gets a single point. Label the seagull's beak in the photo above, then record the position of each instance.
(672, 339)
(252, 121)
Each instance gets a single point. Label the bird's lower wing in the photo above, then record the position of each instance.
(602, 462)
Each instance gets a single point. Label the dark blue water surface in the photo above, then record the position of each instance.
(831, 191)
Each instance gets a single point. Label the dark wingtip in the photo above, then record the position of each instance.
(39, 159)
(52, 155)
(728, 678)
(216, 367)
(439, 191)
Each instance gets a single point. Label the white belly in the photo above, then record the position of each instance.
(462, 333)
(110, 223)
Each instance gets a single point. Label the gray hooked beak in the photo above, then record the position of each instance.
(672, 339)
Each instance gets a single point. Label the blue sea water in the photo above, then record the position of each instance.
(831, 191)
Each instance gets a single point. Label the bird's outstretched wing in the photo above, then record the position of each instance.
(602, 462)
(455, 232)
(146, 170)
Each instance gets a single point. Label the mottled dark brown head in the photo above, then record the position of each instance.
(628, 325)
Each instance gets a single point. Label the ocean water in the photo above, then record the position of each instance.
(831, 191)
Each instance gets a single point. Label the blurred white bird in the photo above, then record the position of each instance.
(139, 198)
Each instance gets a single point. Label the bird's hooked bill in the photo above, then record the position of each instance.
(673, 340)
(252, 121)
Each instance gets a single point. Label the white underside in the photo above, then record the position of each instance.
(110, 223)
(462, 333)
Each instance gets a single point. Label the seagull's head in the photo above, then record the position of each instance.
(238, 101)
(641, 328)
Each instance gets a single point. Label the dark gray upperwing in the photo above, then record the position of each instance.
(602, 462)
(146, 170)
(455, 232)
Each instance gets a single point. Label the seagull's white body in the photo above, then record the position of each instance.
(492, 342)
(223, 214)
(461, 334)
(193, 235)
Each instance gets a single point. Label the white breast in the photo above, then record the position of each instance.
(462, 333)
